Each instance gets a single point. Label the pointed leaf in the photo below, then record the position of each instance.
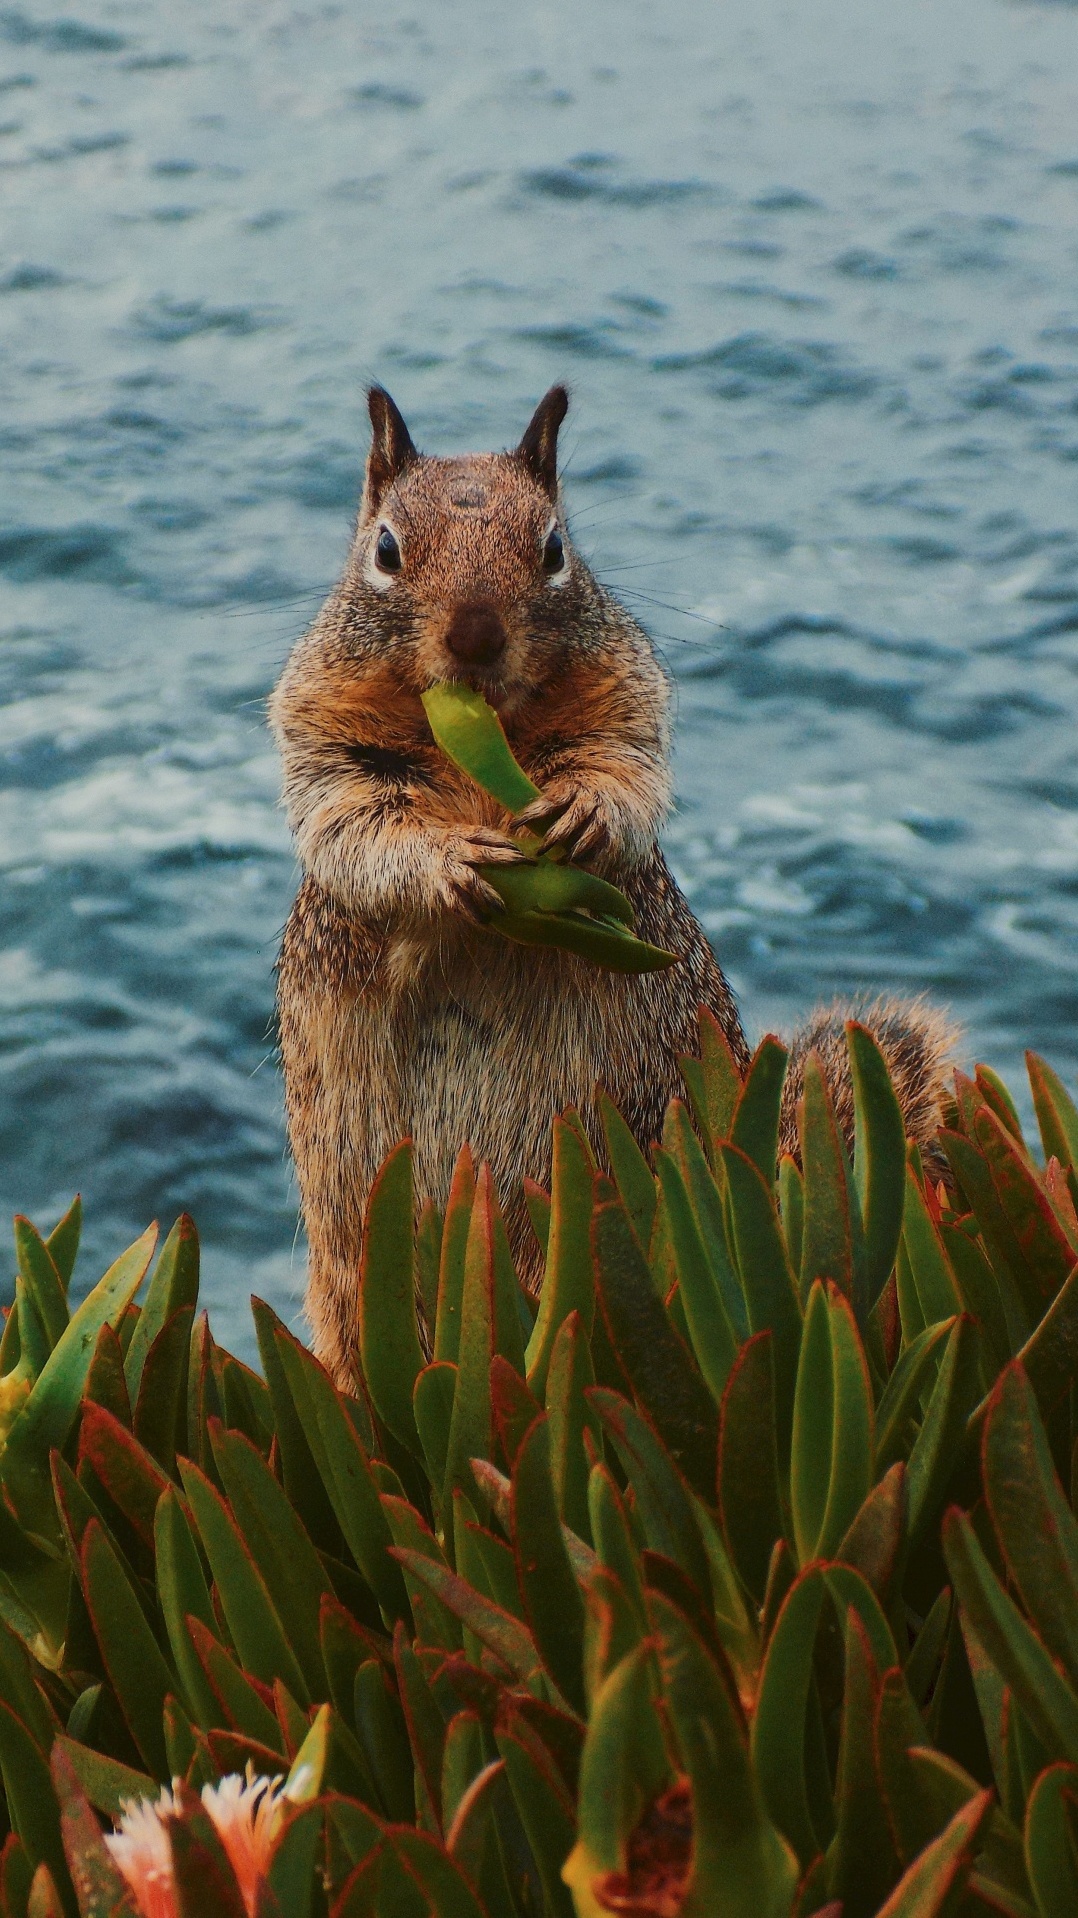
(568, 1280)
(879, 1155)
(1016, 1651)
(49, 1414)
(755, 1125)
(1033, 1522)
(748, 1480)
(552, 1601)
(778, 1725)
(933, 1885)
(663, 1372)
(252, 1621)
(741, 1865)
(389, 1341)
(174, 1285)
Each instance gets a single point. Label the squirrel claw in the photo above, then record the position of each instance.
(581, 830)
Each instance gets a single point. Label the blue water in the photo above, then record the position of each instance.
(812, 272)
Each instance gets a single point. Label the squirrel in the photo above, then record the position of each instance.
(399, 1012)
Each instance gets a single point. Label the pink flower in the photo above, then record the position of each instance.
(246, 1815)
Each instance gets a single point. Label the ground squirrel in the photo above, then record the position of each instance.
(398, 1013)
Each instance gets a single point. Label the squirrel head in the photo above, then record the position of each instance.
(463, 568)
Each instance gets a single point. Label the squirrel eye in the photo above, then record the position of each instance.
(553, 552)
(387, 554)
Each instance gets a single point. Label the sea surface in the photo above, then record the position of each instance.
(811, 271)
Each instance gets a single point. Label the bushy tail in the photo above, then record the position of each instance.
(917, 1040)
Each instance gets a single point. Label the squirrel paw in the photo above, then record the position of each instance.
(577, 825)
(463, 888)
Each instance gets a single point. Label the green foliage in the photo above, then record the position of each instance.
(740, 1579)
(545, 902)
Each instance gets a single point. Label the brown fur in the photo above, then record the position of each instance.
(399, 1013)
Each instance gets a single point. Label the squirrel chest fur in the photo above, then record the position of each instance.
(400, 1012)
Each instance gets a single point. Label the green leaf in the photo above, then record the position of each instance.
(426, 1726)
(502, 1634)
(447, 1891)
(129, 1475)
(663, 1502)
(1057, 1115)
(470, 733)
(344, 1468)
(1049, 1357)
(174, 1285)
(831, 1459)
(901, 1401)
(138, 1674)
(1051, 1841)
(848, 1589)
(874, 1542)
(470, 1430)
(49, 1413)
(253, 1623)
(389, 1341)
(748, 1477)
(709, 1210)
(63, 1241)
(755, 1125)
(285, 1557)
(161, 1404)
(771, 1292)
(568, 1279)
(632, 1174)
(237, 1702)
(458, 1214)
(108, 1785)
(1014, 1648)
(293, 1871)
(622, 1769)
(713, 1338)
(101, 1890)
(432, 1404)
(31, 1804)
(937, 1448)
(778, 1726)
(933, 1885)
(383, 1739)
(863, 1863)
(552, 1601)
(879, 1156)
(723, 1075)
(1044, 1245)
(546, 1815)
(741, 1865)
(663, 1372)
(301, 1477)
(975, 1179)
(569, 1377)
(543, 886)
(792, 1209)
(832, 1238)
(1034, 1524)
(938, 1292)
(435, 1624)
(38, 1273)
(604, 944)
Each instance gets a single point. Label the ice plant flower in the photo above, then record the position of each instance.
(246, 1815)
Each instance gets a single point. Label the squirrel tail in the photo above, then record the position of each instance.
(917, 1040)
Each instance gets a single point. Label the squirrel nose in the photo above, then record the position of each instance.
(476, 635)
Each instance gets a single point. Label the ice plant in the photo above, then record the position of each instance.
(741, 1577)
(246, 1814)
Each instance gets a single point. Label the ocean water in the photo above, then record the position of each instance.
(811, 271)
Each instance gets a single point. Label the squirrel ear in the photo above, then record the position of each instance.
(391, 447)
(539, 447)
